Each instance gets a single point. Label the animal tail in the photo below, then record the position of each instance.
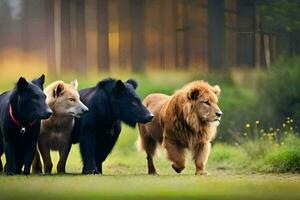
(139, 143)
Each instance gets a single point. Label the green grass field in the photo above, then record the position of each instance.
(125, 178)
(237, 171)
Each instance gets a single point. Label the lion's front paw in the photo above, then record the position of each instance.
(202, 172)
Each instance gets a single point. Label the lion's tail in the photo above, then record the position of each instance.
(139, 144)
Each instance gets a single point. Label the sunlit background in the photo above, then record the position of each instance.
(162, 43)
(250, 48)
(84, 36)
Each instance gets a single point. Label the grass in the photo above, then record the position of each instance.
(151, 187)
(125, 178)
(232, 177)
(247, 168)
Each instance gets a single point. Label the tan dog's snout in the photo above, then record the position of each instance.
(83, 108)
(80, 109)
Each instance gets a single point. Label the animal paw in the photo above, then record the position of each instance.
(177, 169)
(154, 173)
(202, 172)
(37, 171)
(89, 172)
(9, 173)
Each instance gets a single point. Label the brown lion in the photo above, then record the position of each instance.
(186, 120)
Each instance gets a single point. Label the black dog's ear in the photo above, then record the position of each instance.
(132, 82)
(193, 94)
(39, 81)
(22, 84)
(59, 90)
(119, 87)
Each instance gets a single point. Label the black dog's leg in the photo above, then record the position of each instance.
(19, 160)
(28, 157)
(1, 152)
(87, 150)
(104, 148)
(99, 158)
(10, 158)
(1, 165)
(99, 167)
(102, 151)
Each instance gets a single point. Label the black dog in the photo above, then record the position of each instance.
(109, 103)
(21, 111)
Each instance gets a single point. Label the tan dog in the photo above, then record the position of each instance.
(186, 120)
(55, 132)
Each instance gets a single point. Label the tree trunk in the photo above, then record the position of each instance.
(65, 36)
(80, 37)
(103, 59)
(138, 39)
(152, 34)
(216, 33)
(168, 34)
(50, 37)
(91, 26)
(114, 34)
(125, 35)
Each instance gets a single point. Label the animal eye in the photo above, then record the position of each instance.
(206, 102)
(71, 99)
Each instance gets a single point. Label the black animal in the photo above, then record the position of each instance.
(21, 111)
(109, 103)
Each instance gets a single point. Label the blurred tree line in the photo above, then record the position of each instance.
(137, 35)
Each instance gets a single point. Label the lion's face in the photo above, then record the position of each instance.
(203, 100)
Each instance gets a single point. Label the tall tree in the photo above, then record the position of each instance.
(103, 59)
(50, 37)
(125, 35)
(80, 37)
(216, 30)
(168, 36)
(138, 36)
(65, 36)
(91, 27)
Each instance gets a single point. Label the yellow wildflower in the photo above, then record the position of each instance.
(247, 125)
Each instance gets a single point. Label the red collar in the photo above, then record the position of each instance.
(16, 121)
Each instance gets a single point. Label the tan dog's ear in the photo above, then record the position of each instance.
(193, 94)
(217, 90)
(74, 83)
(59, 90)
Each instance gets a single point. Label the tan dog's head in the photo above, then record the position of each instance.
(64, 99)
(202, 103)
